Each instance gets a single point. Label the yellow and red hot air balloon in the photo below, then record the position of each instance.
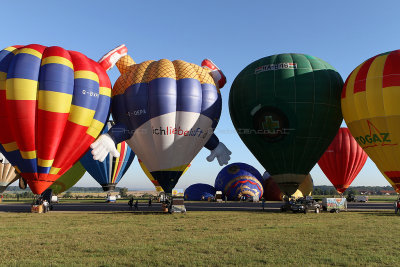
(371, 110)
(53, 105)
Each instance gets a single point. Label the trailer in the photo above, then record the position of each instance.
(334, 204)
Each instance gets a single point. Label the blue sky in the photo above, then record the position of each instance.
(231, 33)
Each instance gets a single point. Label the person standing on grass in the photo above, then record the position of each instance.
(136, 205)
(150, 202)
(263, 203)
(130, 203)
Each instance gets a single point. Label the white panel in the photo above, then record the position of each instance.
(171, 140)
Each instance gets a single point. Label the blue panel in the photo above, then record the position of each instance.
(211, 104)
(102, 109)
(5, 60)
(162, 97)
(189, 95)
(196, 192)
(136, 99)
(24, 66)
(86, 93)
(57, 78)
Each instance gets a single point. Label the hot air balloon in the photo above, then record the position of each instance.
(199, 191)
(53, 105)
(68, 179)
(286, 109)
(239, 179)
(343, 160)
(8, 174)
(372, 113)
(167, 111)
(272, 191)
(109, 172)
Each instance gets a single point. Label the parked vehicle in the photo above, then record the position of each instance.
(306, 205)
(334, 204)
(361, 198)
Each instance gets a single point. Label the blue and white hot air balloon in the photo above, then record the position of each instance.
(167, 112)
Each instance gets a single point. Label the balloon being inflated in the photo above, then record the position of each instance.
(167, 112)
(53, 105)
(286, 109)
(343, 160)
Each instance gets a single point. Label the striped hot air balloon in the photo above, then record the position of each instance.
(53, 105)
(8, 174)
(372, 113)
(109, 172)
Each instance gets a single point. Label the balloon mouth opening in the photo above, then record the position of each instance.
(108, 187)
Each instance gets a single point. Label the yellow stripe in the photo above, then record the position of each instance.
(11, 49)
(95, 128)
(3, 78)
(10, 146)
(45, 162)
(54, 170)
(85, 74)
(179, 168)
(54, 101)
(21, 89)
(30, 51)
(28, 154)
(57, 60)
(105, 91)
(81, 116)
(17, 169)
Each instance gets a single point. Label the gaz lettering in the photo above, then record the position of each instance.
(374, 138)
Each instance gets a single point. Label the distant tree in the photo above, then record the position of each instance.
(68, 195)
(123, 192)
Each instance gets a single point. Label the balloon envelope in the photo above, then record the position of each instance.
(68, 179)
(372, 113)
(53, 105)
(8, 174)
(272, 191)
(343, 160)
(199, 191)
(109, 172)
(172, 108)
(239, 179)
(286, 109)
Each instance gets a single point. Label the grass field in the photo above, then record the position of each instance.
(199, 239)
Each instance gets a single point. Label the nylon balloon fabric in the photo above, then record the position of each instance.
(286, 110)
(199, 191)
(68, 179)
(239, 179)
(53, 105)
(169, 110)
(343, 160)
(372, 113)
(109, 172)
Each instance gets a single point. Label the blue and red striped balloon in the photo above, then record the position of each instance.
(53, 105)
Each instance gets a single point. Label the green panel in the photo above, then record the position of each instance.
(68, 179)
(297, 109)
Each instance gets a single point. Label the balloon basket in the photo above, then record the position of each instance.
(37, 209)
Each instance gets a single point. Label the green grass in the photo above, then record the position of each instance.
(199, 239)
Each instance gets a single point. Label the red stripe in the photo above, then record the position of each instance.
(344, 86)
(49, 133)
(104, 80)
(242, 182)
(5, 133)
(37, 47)
(22, 115)
(38, 186)
(391, 71)
(361, 78)
(56, 51)
(81, 62)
